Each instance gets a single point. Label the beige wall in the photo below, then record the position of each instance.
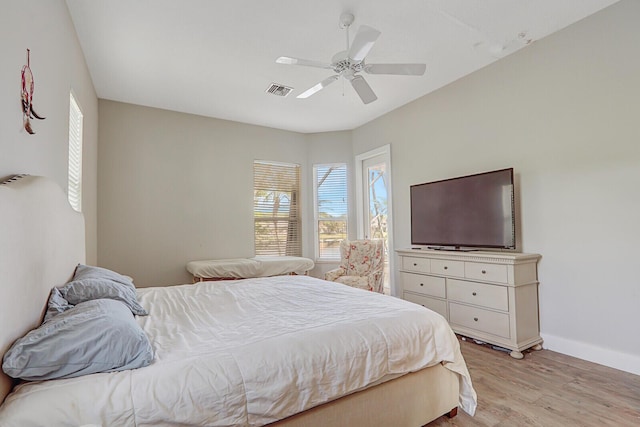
(57, 62)
(564, 113)
(176, 187)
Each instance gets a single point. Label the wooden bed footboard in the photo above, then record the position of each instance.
(414, 399)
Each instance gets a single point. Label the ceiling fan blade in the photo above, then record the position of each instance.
(396, 69)
(363, 42)
(297, 61)
(363, 89)
(326, 82)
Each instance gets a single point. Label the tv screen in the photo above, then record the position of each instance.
(469, 211)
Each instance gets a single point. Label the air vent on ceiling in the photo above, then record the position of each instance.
(279, 90)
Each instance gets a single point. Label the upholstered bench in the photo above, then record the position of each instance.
(244, 268)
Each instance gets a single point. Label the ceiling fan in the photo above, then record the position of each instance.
(350, 62)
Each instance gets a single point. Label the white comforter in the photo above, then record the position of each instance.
(247, 353)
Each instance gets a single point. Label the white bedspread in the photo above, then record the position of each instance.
(247, 353)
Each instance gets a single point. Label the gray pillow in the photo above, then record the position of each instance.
(56, 305)
(91, 283)
(91, 272)
(94, 336)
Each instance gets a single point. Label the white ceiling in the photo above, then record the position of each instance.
(216, 58)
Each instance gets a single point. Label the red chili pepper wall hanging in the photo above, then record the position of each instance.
(27, 96)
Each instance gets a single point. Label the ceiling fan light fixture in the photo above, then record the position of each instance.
(350, 62)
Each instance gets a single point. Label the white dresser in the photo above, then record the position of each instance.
(489, 296)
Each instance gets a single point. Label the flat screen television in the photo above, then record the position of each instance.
(474, 211)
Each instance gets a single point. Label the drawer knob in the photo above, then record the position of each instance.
(415, 264)
(474, 294)
(421, 284)
(484, 271)
(475, 319)
(445, 267)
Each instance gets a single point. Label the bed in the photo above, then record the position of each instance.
(302, 351)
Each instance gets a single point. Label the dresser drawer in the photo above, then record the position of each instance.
(422, 284)
(421, 265)
(486, 272)
(479, 319)
(447, 268)
(437, 305)
(490, 296)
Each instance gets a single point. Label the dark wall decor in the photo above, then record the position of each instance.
(27, 96)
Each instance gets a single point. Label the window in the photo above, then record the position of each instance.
(276, 209)
(330, 197)
(75, 154)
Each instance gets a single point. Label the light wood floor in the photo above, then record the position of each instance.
(546, 389)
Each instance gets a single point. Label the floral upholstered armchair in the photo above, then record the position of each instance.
(361, 265)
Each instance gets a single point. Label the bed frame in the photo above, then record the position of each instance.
(41, 242)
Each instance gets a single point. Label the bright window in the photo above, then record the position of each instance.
(75, 155)
(331, 208)
(276, 209)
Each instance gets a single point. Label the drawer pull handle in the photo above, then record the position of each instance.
(445, 267)
(474, 294)
(475, 319)
(484, 271)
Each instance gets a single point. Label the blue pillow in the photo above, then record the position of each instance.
(91, 283)
(56, 304)
(91, 272)
(94, 336)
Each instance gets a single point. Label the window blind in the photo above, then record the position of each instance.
(75, 155)
(276, 209)
(331, 209)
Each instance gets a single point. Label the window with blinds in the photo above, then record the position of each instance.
(331, 208)
(75, 155)
(276, 209)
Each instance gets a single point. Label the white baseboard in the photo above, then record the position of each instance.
(613, 359)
